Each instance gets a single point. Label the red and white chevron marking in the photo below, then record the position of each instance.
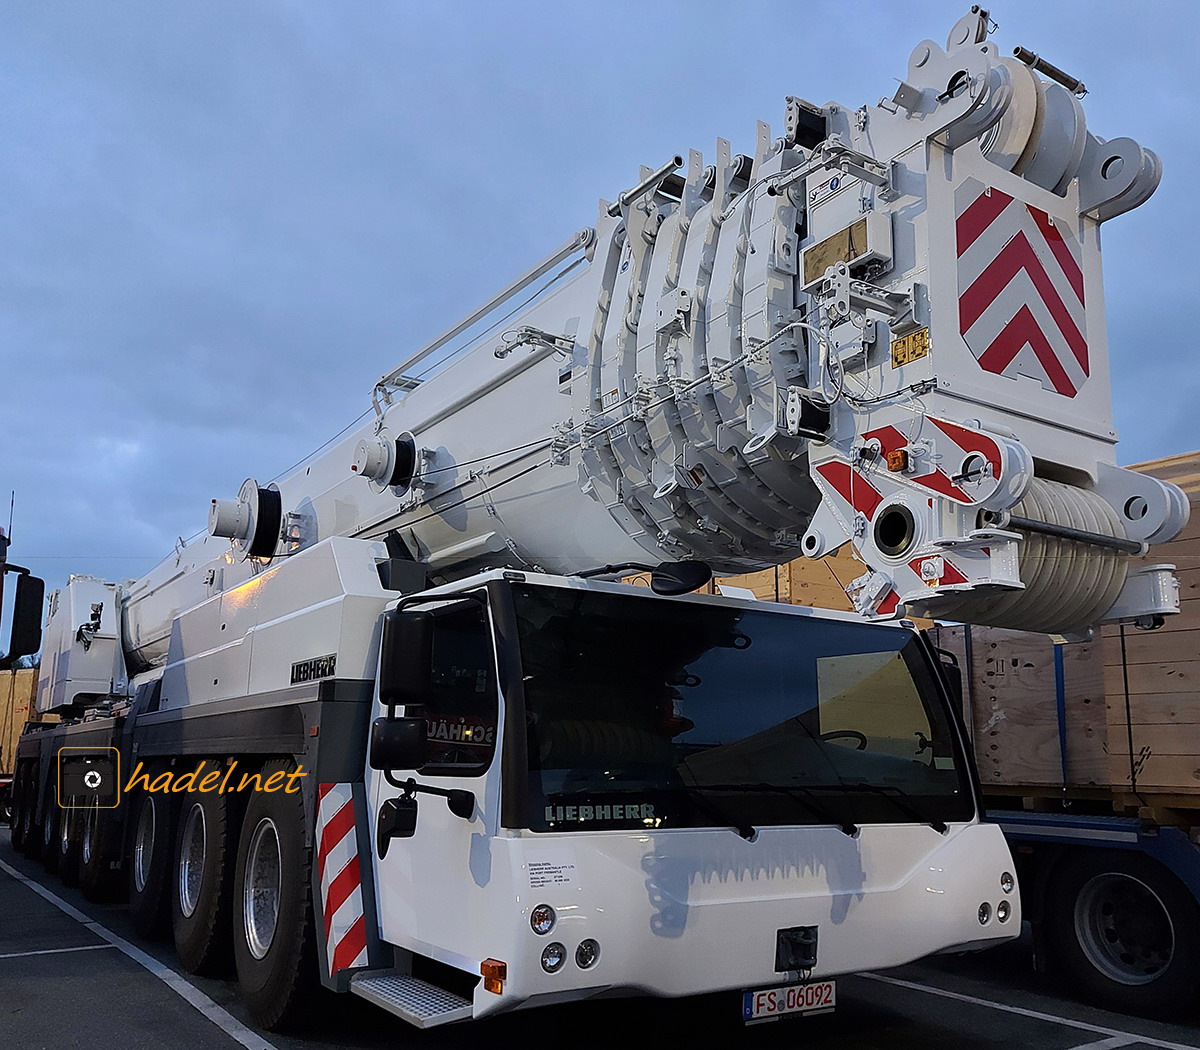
(340, 877)
(1020, 280)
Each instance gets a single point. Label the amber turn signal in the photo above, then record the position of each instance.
(494, 972)
(897, 460)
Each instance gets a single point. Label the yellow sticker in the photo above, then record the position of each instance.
(910, 347)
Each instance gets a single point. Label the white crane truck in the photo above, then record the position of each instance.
(884, 327)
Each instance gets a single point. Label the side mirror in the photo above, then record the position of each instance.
(397, 820)
(679, 577)
(27, 617)
(398, 743)
(406, 658)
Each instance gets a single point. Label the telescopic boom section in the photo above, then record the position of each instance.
(884, 327)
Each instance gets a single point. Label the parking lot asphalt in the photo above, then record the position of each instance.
(74, 974)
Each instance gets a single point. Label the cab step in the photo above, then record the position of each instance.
(418, 1002)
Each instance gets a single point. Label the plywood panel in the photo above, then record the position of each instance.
(1155, 708)
(1154, 678)
(1156, 647)
(17, 689)
(1015, 712)
(1171, 774)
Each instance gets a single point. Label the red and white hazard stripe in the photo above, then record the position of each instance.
(1021, 296)
(340, 877)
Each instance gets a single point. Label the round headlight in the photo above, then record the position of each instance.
(553, 957)
(542, 919)
(587, 953)
(1003, 911)
(1007, 882)
(985, 913)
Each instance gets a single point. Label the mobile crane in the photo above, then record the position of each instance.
(884, 327)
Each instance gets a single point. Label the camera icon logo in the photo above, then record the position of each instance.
(89, 777)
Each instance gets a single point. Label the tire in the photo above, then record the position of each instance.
(97, 830)
(49, 833)
(1125, 932)
(68, 845)
(16, 823)
(202, 884)
(32, 835)
(149, 864)
(274, 942)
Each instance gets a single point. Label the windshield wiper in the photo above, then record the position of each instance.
(801, 794)
(897, 797)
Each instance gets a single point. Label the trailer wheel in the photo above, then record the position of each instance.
(1126, 932)
(17, 821)
(49, 833)
(69, 823)
(31, 845)
(97, 827)
(273, 937)
(203, 884)
(151, 849)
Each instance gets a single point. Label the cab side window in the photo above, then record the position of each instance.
(462, 715)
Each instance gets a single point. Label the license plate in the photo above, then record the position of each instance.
(789, 999)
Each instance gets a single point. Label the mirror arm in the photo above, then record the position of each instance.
(460, 800)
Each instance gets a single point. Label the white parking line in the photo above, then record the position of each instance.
(1129, 1037)
(224, 1020)
(1108, 1044)
(55, 951)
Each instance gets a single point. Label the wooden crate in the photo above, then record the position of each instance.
(819, 584)
(17, 692)
(1152, 678)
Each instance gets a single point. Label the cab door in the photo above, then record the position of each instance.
(433, 886)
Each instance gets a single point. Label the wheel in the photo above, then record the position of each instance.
(273, 937)
(149, 864)
(68, 844)
(203, 884)
(98, 828)
(49, 833)
(860, 740)
(16, 820)
(1125, 932)
(31, 834)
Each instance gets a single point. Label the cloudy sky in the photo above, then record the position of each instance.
(222, 221)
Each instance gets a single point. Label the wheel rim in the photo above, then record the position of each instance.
(191, 859)
(1124, 928)
(91, 819)
(143, 846)
(260, 896)
(48, 827)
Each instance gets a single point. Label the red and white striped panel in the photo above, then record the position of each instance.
(340, 877)
(1020, 281)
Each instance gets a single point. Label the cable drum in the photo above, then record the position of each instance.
(1069, 584)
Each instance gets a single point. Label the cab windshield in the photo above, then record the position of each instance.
(650, 712)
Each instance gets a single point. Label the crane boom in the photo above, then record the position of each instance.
(884, 327)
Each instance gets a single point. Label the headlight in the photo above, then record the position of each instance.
(1003, 911)
(553, 957)
(587, 953)
(541, 919)
(1007, 882)
(985, 913)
